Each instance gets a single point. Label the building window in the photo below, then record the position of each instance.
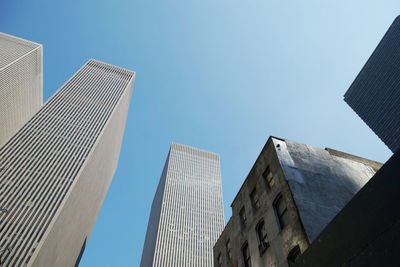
(255, 202)
(228, 250)
(242, 215)
(262, 236)
(219, 260)
(281, 211)
(246, 255)
(268, 178)
(293, 255)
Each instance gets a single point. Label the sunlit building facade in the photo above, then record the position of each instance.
(21, 83)
(56, 170)
(186, 216)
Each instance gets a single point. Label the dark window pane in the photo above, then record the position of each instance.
(281, 211)
(246, 255)
(242, 215)
(254, 199)
(293, 255)
(228, 249)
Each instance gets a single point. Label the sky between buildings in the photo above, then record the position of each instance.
(218, 75)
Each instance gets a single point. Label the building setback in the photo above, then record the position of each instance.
(21, 84)
(55, 171)
(291, 193)
(187, 212)
(375, 93)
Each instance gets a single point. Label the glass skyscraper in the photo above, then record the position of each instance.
(186, 216)
(56, 170)
(375, 93)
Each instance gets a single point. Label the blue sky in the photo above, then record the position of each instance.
(218, 75)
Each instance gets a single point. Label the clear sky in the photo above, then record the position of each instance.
(218, 75)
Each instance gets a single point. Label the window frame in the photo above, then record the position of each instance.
(279, 214)
(219, 260)
(262, 236)
(228, 249)
(293, 255)
(243, 216)
(269, 181)
(245, 250)
(255, 199)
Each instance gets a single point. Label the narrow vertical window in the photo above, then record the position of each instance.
(281, 211)
(268, 178)
(219, 260)
(293, 255)
(255, 202)
(262, 236)
(228, 250)
(242, 215)
(246, 255)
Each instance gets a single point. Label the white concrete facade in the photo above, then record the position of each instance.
(55, 172)
(187, 211)
(21, 83)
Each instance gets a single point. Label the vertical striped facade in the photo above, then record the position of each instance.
(375, 93)
(187, 212)
(55, 171)
(21, 83)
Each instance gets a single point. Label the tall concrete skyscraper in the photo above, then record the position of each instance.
(21, 84)
(187, 212)
(375, 93)
(56, 170)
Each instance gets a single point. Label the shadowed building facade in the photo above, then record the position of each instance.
(56, 170)
(291, 193)
(375, 93)
(21, 83)
(187, 212)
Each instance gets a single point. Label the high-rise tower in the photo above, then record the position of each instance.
(21, 85)
(375, 93)
(187, 212)
(56, 170)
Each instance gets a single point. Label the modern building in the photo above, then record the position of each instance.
(55, 171)
(375, 93)
(187, 212)
(291, 193)
(21, 85)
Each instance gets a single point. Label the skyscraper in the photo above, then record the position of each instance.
(55, 171)
(187, 212)
(21, 85)
(375, 93)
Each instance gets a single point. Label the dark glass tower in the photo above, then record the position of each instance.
(375, 93)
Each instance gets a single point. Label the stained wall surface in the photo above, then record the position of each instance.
(312, 186)
(321, 183)
(21, 83)
(367, 230)
(187, 212)
(56, 170)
